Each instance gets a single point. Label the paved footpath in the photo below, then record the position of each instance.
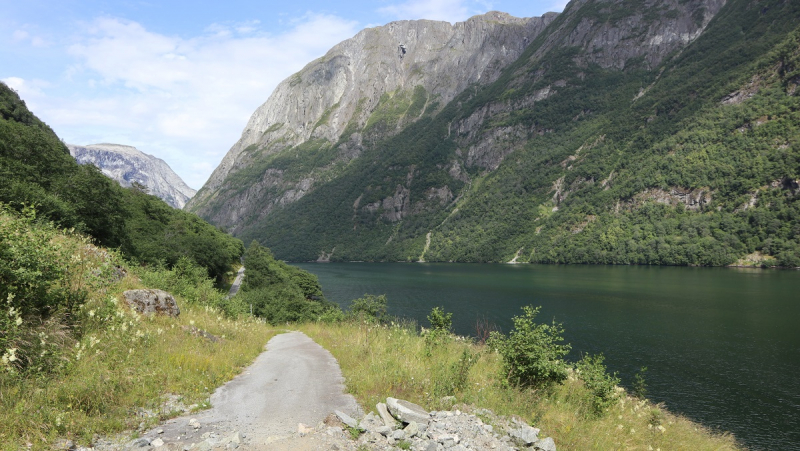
(294, 381)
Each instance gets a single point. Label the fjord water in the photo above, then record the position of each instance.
(722, 345)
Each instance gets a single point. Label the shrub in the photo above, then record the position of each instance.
(369, 307)
(601, 385)
(454, 379)
(532, 353)
(440, 320)
(441, 327)
(639, 384)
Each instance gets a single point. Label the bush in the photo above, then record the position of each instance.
(369, 307)
(281, 293)
(441, 327)
(440, 320)
(601, 385)
(639, 384)
(532, 353)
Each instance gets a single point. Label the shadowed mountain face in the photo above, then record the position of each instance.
(619, 131)
(128, 165)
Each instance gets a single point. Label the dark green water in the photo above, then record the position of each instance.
(722, 345)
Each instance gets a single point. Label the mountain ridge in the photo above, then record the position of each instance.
(586, 149)
(128, 165)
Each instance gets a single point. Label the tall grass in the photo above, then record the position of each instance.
(87, 365)
(394, 360)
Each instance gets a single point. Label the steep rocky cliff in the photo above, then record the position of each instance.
(127, 165)
(623, 133)
(365, 88)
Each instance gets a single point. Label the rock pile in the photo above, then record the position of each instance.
(403, 425)
(149, 301)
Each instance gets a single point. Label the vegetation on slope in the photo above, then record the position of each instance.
(694, 162)
(37, 170)
(66, 336)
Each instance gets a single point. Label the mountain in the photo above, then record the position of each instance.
(363, 89)
(128, 165)
(40, 179)
(626, 132)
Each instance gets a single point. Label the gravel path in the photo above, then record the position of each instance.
(294, 381)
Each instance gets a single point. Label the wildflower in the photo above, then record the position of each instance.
(91, 313)
(18, 321)
(661, 428)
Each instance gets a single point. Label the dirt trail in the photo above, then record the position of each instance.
(294, 381)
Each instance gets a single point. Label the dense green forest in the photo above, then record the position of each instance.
(693, 162)
(37, 170)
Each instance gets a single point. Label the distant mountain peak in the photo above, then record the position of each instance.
(128, 165)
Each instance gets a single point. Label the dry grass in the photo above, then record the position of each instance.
(124, 363)
(380, 361)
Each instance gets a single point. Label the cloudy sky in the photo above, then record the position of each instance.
(179, 79)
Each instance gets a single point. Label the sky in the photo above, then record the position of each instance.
(178, 79)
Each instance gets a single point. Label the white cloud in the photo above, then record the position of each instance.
(185, 100)
(448, 10)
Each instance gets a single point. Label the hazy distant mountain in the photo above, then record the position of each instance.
(127, 164)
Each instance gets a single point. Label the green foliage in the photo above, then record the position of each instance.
(190, 281)
(640, 384)
(601, 385)
(532, 353)
(441, 328)
(612, 154)
(440, 320)
(37, 170)
(369, 307)
(281, 293)
(455, 377)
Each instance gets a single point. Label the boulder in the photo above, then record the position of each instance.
(407, 411)
(152, 301)
(412, 429)
(546, 444)
(387, 418)
(346, 419)
(526, 434)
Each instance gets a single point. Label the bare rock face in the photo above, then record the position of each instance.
(128, 165)
(152, 301)
(333, 98)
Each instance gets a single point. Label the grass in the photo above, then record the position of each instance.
(119, 373)
(108, 363)
(380, 361)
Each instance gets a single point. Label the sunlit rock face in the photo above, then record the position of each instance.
(128, 165)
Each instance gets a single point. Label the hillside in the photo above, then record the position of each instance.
(36, 170)
(628, 132)
(128, 165)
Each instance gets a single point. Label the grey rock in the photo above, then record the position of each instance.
(384, 430)
(149, 301)
(407, 411)
(157, 443)
(128, 165)
(345, 87)
(412, 429)
(525, 434)
(546, 444)
(346, 419)
(139, 443)
(387, 418)
(431, 446)
(399, 434)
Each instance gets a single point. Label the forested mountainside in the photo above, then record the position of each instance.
(36, 170)
(627, 132)
(128, 165)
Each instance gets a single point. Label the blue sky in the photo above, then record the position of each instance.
(179, 79)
